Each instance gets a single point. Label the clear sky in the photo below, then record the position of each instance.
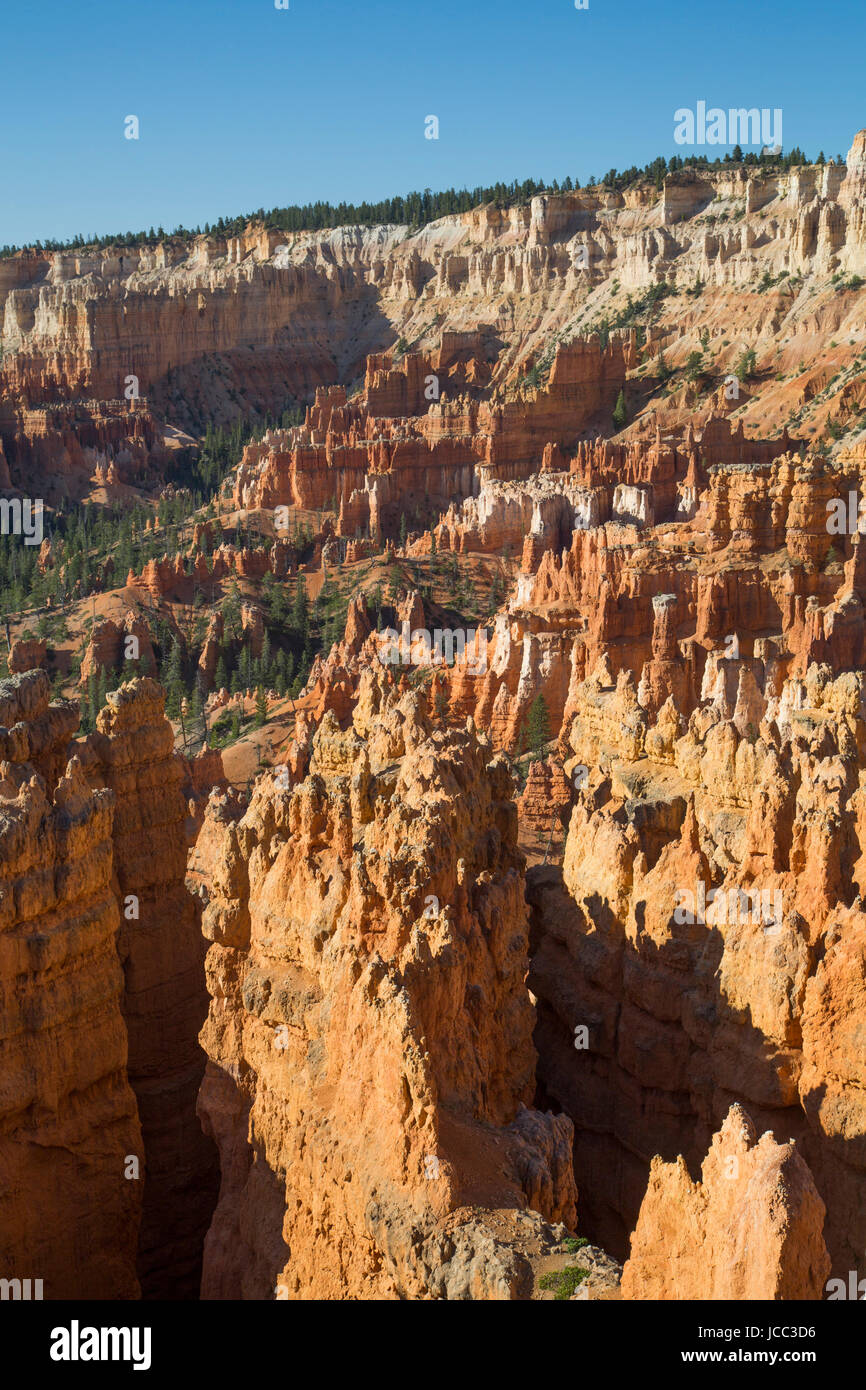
(242, 105)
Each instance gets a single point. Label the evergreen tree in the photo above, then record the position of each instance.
(174, 696)
(231, 610)
(92, 698)
(538, 726)
(620, 414)
(440, 704)
(172, 671)
(197, 710)
(300, 611)
(245, 667)
(261, 708)
(278, 604)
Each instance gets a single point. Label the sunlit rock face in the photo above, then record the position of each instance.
(369, 1035)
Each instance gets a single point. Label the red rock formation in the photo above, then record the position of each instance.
(210, 651)
(751, 1229)
(55, 451)
(111, 644)
(545, 804)
(375, 1169)
(25, 655)
(705, 930)
(34, 729)
(164, 1000)
(70, 1199)
(392, 451)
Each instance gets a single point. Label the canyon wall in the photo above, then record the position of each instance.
(164, 999)
(277, 313)
(70, 1141)
(702, 942)
(258, 321)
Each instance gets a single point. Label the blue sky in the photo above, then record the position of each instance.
(242, 105)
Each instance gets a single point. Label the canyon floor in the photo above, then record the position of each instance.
(433, 753)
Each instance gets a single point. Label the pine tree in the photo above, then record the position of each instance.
(172, 670)
(197, 704)
(231, 609)
(261, 708)
(174, 695)
(440, 704)
(300, 611)
(278, 605)
(245, 666)
(538, 726)
(620, 414)
(92, 698)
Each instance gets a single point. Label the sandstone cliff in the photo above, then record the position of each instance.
(71, 1152)
(164, 998)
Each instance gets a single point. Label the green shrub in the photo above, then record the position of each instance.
(563, 1282)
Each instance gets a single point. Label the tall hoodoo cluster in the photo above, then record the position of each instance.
(706, 928)
(109, 1183)
(369, 1037)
